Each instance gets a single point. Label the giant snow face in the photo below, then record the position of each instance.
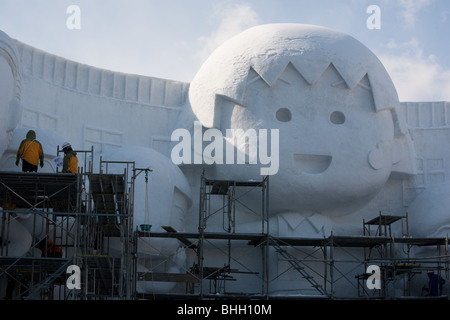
(331, 101)
(334, 148)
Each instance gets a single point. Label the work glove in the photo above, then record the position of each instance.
(42, 163)
(17, 162)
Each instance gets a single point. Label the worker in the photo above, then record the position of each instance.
(48, 248)
(435, 283)
(70, 161)
(31, 153)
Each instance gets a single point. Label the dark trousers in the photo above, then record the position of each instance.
(28, 167)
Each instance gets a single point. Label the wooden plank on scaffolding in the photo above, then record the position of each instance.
(166, 277)
(183, 240)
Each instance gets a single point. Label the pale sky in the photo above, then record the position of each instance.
(171, 39)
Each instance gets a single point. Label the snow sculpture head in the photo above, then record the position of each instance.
(10, 107)
(340, 136)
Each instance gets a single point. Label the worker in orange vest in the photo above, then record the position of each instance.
(48, 248)
(31, 153)
(70, 161)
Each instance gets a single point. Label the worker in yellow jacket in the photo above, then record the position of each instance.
(70, 161)
(31, 153)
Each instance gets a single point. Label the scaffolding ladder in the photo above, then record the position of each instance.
(297, 265)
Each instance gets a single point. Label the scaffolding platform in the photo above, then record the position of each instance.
(30, 264)
(167, 277)
(384, 220)
(222, 186)
(256, 239)
(31, 190)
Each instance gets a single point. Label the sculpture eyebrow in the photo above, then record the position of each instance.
(362, 85)
(283, 80)
(254, 79)
(338, 83)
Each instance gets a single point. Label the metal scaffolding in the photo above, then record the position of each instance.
(393, 255)
(225, 191)
(322, 265)
(218, 202)
(74, 215)
(89, 217)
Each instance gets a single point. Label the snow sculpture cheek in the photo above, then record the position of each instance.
(375, 159)
(380, 157)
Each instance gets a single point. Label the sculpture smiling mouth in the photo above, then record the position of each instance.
(311, 163)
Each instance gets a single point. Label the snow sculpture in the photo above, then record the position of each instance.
(428, 213)
(340, 134)
(342, 138)
(10, 88)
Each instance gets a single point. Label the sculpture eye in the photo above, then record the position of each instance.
(337, 117)
(283, 115)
